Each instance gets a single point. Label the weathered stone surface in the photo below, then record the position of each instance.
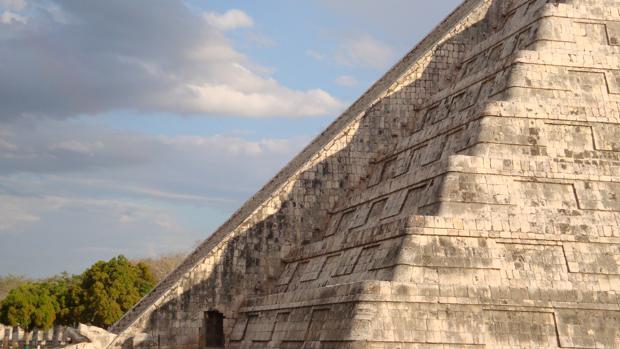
(470, 199)
(91, 337)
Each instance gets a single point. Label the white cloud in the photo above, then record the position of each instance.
(85, 229)
(79, 186)
(71, 154)
(225, 99)
(360, 51)
(86, 148)
(17, 211)
(260, 40)
(315, 55)
(346, 80)
(405, 21)
(6, 145)
(17, 5)
(138, 190)
(364, 51)
(8, 17)
(230, 20)
(168, 59)
(14, 212)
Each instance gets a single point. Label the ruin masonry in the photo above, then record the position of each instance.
(469, 199)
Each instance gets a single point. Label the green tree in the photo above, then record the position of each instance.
(66, 291)
(99, 296)
(9, 282)
(29, 306)
(109, 289)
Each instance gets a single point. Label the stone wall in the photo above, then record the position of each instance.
(243, 258)
(470, 199)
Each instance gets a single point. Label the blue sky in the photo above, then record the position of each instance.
(136, 127)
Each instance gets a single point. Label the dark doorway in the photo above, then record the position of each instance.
(214, 329)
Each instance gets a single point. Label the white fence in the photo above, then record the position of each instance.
(13, 338)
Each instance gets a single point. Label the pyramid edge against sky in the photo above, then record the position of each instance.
(470, 199)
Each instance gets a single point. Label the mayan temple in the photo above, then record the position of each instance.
(469, 199)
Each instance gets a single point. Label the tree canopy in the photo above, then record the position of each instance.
(109, 289)
(99, 296)
(66, 292)
(29, 306)
(9, 282)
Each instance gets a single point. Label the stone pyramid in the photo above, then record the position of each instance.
(469, 199)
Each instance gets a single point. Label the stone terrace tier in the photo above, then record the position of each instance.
(470, 199)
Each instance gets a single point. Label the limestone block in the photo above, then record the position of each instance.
(97, 338)
(532, 329)
(588, 328)
(593, 258)
(598, 195)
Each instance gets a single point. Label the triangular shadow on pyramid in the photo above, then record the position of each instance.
(469, 199)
